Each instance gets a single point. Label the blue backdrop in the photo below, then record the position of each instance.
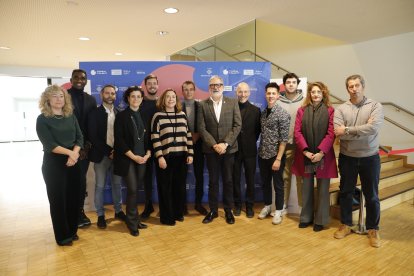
(172, 75)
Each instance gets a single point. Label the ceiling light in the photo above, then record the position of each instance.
(84, 38)
(162, 33)
(4, 48)
(171, 10)
(118, 54)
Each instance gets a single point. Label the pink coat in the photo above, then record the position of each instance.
(330, 169)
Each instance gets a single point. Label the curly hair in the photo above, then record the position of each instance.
(325, 93)
(161, 101)
(44, 104)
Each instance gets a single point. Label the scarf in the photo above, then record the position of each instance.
(314, 127)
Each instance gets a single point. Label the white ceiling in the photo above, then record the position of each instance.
(45, 32)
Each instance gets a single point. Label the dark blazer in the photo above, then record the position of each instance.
(250, 130)
(196, 110)
(97, 128)
(124, 139)
(89, 104)
(225, 131)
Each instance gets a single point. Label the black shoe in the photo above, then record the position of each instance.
(200, 208)
(83, 220)
(169, 223)
(179, 219)
(75, 237)
(142, 226)
(210, 216)
(237, 211)
(147, 211)
(120, 215)
(317, 227)
(229, 217)
(101, 222)
(305, 224)
(66, 242)
(134, 233)
(249, 212)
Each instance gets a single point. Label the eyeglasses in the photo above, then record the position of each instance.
(214, 85)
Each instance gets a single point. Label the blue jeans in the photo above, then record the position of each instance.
(368, 169)
(102, 170)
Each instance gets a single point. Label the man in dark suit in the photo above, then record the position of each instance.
(191, 108)
(101, 135)
(247, 153)
(83, 104)
(219, 125)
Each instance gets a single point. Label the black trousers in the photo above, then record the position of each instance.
(249, 164)
(220, 164)
(148, 180)
(198, 166)
(171, 188)
(267, 175)
(135, 178)
(63, 189)
(84, 165)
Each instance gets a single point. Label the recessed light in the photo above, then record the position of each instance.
(171, 10)
(83, 38)
(162, 33)
(4, 48)
(118, 54)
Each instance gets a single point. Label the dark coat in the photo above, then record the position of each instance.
(97, 129)
(124, 139)
(250, 130)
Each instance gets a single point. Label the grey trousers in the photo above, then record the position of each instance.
(321, 216)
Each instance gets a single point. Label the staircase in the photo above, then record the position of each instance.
(396, 185)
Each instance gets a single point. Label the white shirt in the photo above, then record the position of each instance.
(110, 126)
(217, 107)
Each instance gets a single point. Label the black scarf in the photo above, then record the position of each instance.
(314, 127)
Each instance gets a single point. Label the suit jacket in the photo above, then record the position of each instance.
(250, 130)
(124, 139)
(89, 104)
(225, 131)
(196, 110)
(97, 129)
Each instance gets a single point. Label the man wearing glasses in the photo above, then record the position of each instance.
(219, 125)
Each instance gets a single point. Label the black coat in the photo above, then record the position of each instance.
(82, 112)
(250, 130)
(124, 139)
(97, 128)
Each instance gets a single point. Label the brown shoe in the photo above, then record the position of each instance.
(343, 231)
(374, 238)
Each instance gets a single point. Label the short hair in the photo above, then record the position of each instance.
(187, 83)
(79, 71)
(290, 76)
(150, 76)
(216, 77)
(131, 89)
(106, 86)
(238, 86)
(161, 101)
(44, 103)
(272, 85)
(354, 77)
(325, 93)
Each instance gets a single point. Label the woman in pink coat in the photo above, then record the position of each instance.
(315, 157)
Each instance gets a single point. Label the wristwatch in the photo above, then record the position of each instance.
(346, 130)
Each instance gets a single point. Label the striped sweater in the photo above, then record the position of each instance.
(170, 134)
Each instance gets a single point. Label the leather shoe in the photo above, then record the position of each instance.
(317, 227)
(249, 212)
(66, 242)
(305, 224)
(120, 215)
(134, 233)
(210, 216)
(101, 222)
(229, 217)
(237, 211)
(148, 210)
(200, 208)
(142, 226)
(179, 218)
(75, 237)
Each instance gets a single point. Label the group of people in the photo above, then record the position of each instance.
(296, 134)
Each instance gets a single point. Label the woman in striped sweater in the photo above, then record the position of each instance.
(173, 149)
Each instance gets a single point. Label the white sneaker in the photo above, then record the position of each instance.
(265, 212)
(284, 211)
(277, 219)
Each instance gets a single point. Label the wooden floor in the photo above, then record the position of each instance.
(249, 247)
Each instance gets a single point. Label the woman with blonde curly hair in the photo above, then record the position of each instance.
(61, 137)
(315, 157)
